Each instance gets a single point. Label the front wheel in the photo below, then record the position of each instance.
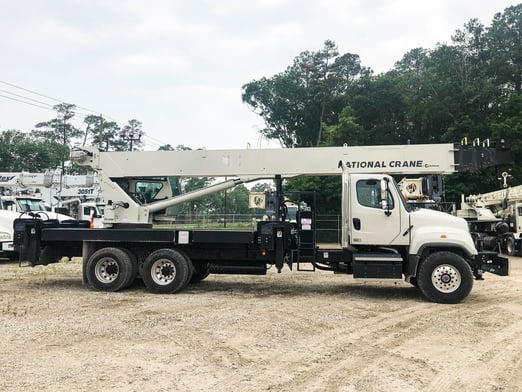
(445, 277)
(509, 246)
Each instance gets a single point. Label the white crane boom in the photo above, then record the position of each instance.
(265, 163)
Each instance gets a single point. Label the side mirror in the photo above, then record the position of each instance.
(385, 194)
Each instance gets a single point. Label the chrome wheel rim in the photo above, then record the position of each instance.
(163, 272)
(107, 270)
(446, 278)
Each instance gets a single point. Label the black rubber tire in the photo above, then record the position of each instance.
(141, 254)
(201, 271)
(445, 277)
(165, 271)
(109, 269)
(509, 246)
(133, 268)
(191, 269)
(413, 281)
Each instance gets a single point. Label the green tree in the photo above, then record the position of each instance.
(59, 129)
(20, 152)
(236, 200)
(130, 136)
(104, 134)
(296, 103)
(504, 44)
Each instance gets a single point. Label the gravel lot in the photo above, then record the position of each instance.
(294, 331)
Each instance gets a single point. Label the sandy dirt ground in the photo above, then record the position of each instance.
(293, 331)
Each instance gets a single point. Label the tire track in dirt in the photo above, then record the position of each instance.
(329, 352)
(294, 332)
(384, 335)
(494, 357)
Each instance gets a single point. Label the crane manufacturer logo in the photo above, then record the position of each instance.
(6, 178)
(387, 164)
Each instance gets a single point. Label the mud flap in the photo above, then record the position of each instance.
(492, 262)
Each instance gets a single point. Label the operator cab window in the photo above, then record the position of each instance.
(369, 194)
(146, 191)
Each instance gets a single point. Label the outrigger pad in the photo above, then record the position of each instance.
(492, 262)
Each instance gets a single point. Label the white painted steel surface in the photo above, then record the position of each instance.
(265, 163)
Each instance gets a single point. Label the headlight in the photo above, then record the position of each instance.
(5, 235)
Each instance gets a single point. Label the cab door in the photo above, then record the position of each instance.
(370, 224)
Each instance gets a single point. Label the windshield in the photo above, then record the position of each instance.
(401, 197)
(30, 205)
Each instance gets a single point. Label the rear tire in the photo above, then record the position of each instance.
(201, 271)
(165, 271)
(133, 273)
(109, 269)
(445, 277)
(190, 269)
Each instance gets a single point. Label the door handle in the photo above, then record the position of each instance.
(356, 223)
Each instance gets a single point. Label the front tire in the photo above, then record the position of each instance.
(445, 277)
(509, 246)
(165, 271)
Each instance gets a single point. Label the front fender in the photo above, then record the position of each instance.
(442, 237)
(414, 258)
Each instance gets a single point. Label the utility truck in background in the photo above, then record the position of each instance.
(45, 194)
(13, 207)
(495, 218)
(382, 238)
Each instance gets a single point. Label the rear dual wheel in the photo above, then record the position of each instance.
(201, 271)
(111, 269)
(166, 271)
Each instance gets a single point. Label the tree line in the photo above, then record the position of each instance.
(469, 88)
(47, 145)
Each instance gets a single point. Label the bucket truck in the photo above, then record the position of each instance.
(382, 238)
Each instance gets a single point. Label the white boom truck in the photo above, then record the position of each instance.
(18, 198)
(495, 219)
(381, 237)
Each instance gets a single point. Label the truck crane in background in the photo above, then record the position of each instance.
(382, 238)
(495, 218)
(52, 191)
(46, 194)
(426, 192)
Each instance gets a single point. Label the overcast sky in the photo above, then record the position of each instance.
(178, 66)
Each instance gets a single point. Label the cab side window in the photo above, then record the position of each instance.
(369, 194)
